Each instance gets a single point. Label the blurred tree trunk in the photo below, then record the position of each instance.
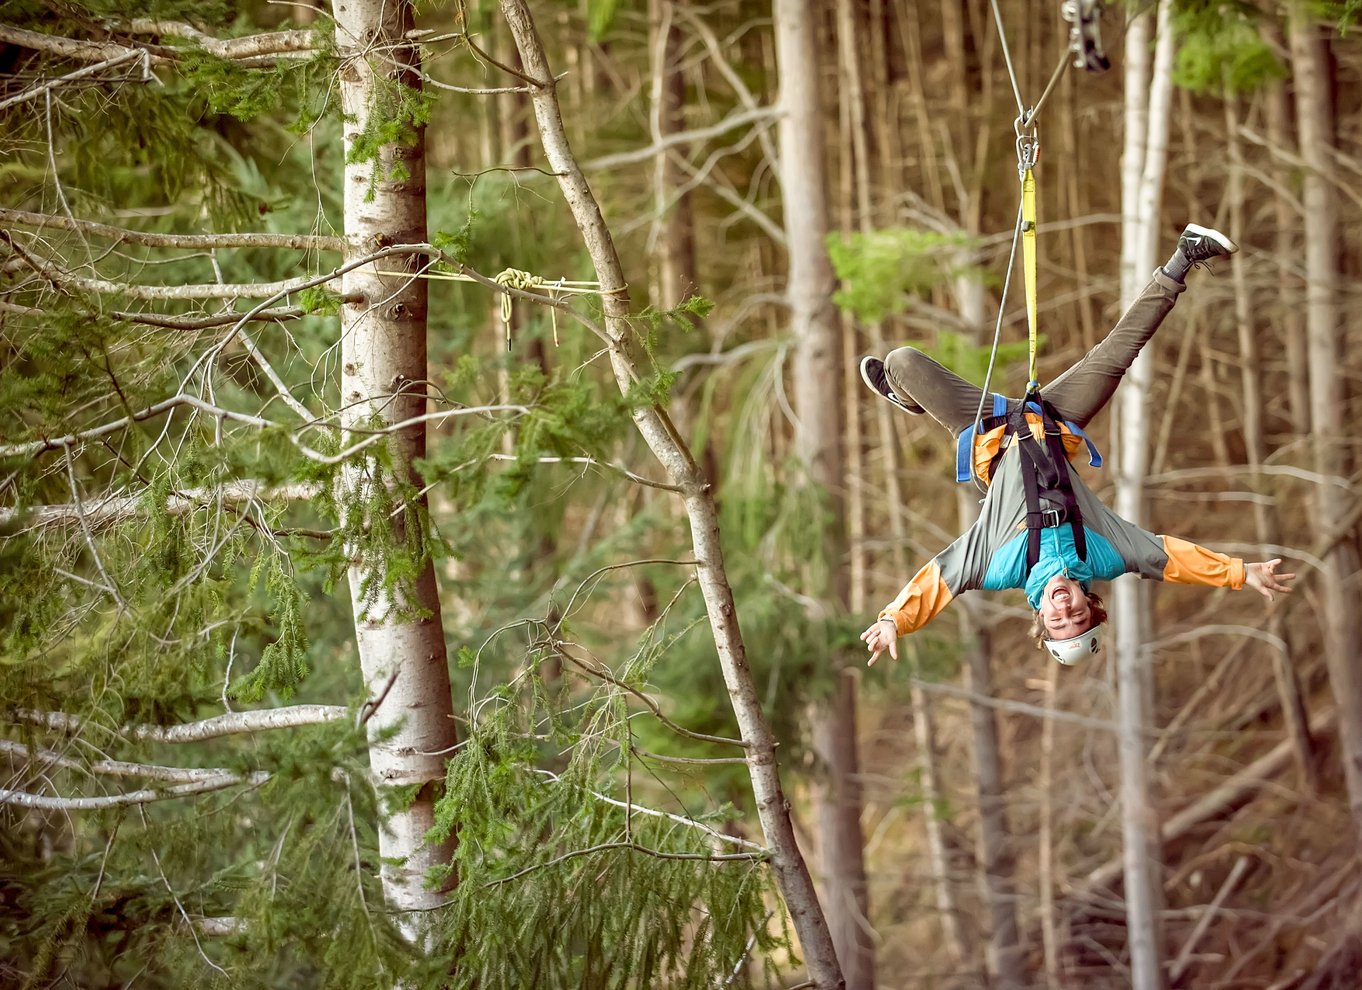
(400, 634)
(1295, 716)
(818, 446)
(995, 856)
(1144, 160)
(673, 221)
(867, 117)
(1333, 501)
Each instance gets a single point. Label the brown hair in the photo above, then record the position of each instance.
(1099, 616)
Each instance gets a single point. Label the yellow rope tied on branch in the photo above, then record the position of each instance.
(525, 281)
(514, 278)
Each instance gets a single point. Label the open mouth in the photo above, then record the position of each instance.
(1061, 596)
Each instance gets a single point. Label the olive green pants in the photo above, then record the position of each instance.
(1078, 394)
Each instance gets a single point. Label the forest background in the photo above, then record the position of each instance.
(438, 504)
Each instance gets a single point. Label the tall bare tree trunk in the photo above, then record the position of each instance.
(1287, 250)
(1144, 158)
(383, 359)
(1295, 716)
(1333, 500)
(673, 222)
(791, 873)
(818, 446)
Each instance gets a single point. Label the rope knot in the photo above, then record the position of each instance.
(514, 278)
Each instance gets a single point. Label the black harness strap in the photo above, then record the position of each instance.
(1047, 477)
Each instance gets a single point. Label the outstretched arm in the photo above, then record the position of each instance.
(1191, 564)
(918, 603)
(1175, 560)
(956, 569)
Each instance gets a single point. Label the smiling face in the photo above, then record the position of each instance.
(1064, 609)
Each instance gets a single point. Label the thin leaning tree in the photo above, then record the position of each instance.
(791, 872)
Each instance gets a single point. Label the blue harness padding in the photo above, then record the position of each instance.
(964, 444)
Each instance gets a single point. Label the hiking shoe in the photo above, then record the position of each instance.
(1200, 244)
(873, 374)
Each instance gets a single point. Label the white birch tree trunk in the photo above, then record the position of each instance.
(818, 447)
(1148, 91)
(1329, 430)
(791, 873)
(400, 637)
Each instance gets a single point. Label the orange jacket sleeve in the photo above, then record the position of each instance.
(920, 600)
(1191, 564)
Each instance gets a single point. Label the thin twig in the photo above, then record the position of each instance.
(560, 646)
(633, 847)
(652, 812)
(89, 536)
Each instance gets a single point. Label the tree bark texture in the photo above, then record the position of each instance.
(791, 873)
(817, 382)
(1334, 500)
(1147, 92)
(383, 361)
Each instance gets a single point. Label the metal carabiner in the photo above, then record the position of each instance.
(1028, 142)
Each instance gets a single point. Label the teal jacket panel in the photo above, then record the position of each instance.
(1058, 555)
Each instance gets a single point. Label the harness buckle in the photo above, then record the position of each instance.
(1050, 518)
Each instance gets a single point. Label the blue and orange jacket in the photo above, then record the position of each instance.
(991, 554)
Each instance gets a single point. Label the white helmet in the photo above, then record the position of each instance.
(1070, 651)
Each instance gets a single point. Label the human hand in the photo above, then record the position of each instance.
(1264, 578)
(882, 635)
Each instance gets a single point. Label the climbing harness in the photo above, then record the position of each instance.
(1045, 474)
(964, 443)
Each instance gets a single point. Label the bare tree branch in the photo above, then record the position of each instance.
(43, 802)
(118, 507)
(296, 41)
(35, 447)
(730, 123)
(208, 290)
(89, 72)
(250, 47)
(233, 723)
(114, 768)
(193, 323)
(299, 242)
(51, 44)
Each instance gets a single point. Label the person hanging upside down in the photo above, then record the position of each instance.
(1040, 527)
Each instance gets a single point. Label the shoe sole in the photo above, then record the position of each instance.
(1213, 234)
(892, 396)
(865, 377)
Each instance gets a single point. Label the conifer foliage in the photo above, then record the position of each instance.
(216, 398)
